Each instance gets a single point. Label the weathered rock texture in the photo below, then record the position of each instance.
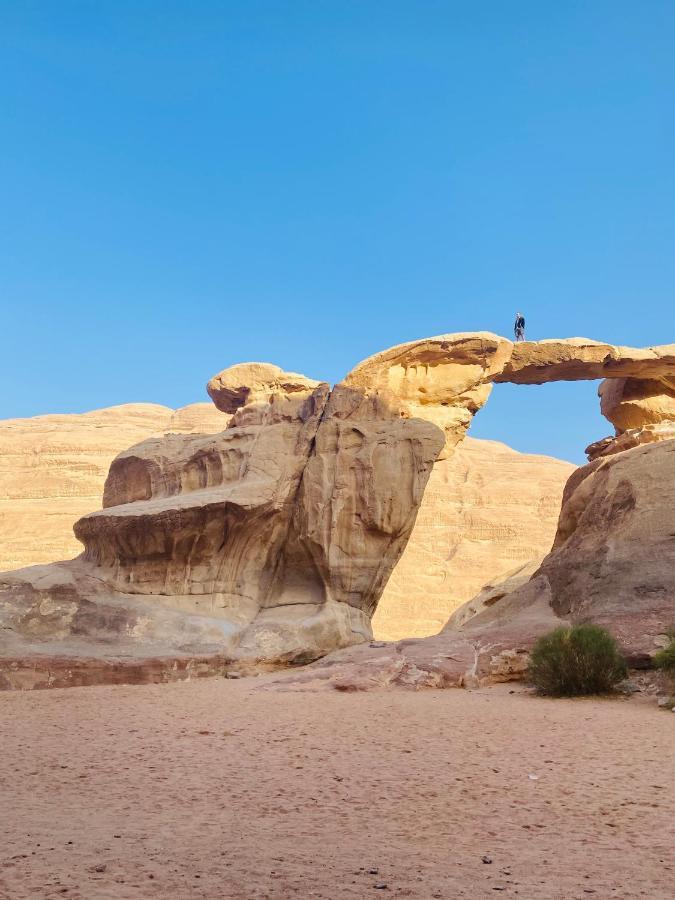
(612, 563)
(486, 510)
(641, 410)
(581, 359)
(269, 542)
(272, 541)
(52, 470)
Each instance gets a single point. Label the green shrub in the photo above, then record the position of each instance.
(665, 659)
(574, 661)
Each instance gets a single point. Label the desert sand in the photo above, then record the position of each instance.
(233, 789)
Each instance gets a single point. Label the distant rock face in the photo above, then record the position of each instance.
(486, 510)
(272, 541)
(52, 471)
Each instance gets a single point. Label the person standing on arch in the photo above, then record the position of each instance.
(519, 327)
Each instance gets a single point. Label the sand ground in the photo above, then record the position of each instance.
(225, 789)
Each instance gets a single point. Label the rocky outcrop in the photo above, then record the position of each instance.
(272, 541)
(269, 542)
(52, 471)
(613, 558)
(612, 563)
(248, 384)
(633, 403)
(486, 510)
(444, 380)
(449, 378)
(641, 410)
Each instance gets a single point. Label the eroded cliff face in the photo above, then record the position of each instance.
(272, 541)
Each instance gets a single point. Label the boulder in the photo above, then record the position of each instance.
(631, 403)
(249, 383)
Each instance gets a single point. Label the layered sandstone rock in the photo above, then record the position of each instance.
(444, 379)
(634, 437)
(486, 510)
(632, 403)
(581, 359)
(447, 379)
(52, 471)
(248, 384)
(641, 410)
(612, 563)
(272, 541)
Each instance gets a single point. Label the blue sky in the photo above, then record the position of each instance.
(189, 185)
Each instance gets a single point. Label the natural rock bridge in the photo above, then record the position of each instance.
(272, 541)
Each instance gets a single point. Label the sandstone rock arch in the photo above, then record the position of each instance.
(271, 542)
(447, 379)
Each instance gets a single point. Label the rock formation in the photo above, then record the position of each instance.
(580, 359)
(486, 510)
(272, 541)
(641, 410)
(612, 563)
(52, 470)
(269, 541)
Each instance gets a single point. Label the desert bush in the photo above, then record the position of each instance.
(575, 661)
(665, 659)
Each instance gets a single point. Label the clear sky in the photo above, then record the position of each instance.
(188, 185)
